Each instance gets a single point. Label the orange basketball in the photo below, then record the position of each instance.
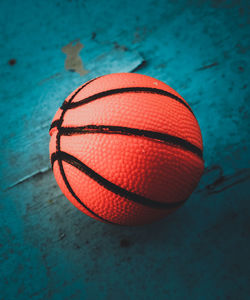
(126, 149)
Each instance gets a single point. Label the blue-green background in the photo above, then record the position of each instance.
(49, 249)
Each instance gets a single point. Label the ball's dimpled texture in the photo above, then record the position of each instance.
(156, 170)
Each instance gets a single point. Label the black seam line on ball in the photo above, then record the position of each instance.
(53, 158)
(56, 156)
(58, 146)
(60, 121)
(56, 123)
(125, 90)
(113, 187)
(66, 104)
(106, 129)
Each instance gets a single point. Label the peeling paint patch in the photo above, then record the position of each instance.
(73, 61)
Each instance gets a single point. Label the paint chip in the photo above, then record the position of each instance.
(73, 61)
(12, 62)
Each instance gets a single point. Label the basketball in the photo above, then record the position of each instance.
(126, 149)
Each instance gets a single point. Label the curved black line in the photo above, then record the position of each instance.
(60, 121)
(125, 90)
(63, 156)
(55, 156)
(56, 123)
(71, 190)
(107, 129)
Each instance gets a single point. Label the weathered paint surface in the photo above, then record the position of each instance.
(73, 61)
(50, 250)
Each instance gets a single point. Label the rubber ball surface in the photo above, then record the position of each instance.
(126, 149)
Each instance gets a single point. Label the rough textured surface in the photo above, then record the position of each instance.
(49, 249)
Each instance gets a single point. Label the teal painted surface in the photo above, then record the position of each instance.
(50, 250)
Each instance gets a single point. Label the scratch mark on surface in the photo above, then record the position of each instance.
(28, 177)
(225, 182)
(56, 75)
(73, 61)
(207, 66)
(61, 236)
(214, 168)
